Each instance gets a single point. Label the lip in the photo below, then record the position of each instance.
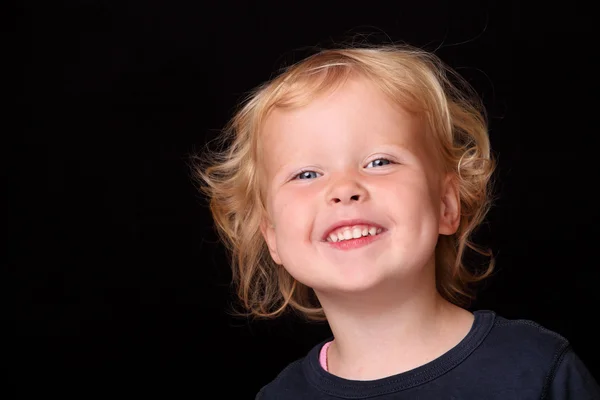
(349, 222)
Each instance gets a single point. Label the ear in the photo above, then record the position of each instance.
(449, 206)
(268, 231)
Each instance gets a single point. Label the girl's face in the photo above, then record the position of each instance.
(353, 164)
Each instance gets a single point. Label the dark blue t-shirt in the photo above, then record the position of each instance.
(498, 359)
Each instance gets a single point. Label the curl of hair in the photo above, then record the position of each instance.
(418, 81)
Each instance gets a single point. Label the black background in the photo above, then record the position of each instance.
(119, 283)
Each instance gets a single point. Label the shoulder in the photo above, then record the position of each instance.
(288, 382)
(516, 351)
(524, 352)
(297, 380)
(524, 338)
(571, 379)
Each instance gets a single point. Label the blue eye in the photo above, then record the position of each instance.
(379, 162)
(306, 175)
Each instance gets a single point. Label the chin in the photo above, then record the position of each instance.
(350, 283)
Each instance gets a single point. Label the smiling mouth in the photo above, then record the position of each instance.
(355, 243)
(353, 233)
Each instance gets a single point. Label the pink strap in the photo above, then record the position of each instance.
(323, 355)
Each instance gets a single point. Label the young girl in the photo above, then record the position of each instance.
(348, 191)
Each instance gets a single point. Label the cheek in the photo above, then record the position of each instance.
(286, 213)
(413, 202)
(294, 219)
(292, 206)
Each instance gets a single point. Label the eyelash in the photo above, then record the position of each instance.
(296, 177)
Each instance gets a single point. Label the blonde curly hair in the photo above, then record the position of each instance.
(230, 176)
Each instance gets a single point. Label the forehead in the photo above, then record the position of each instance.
(357, 110)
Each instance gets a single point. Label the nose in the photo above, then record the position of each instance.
(346, 190)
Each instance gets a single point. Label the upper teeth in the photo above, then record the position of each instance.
(352, 232)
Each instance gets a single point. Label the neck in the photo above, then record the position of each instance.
(392, 332)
